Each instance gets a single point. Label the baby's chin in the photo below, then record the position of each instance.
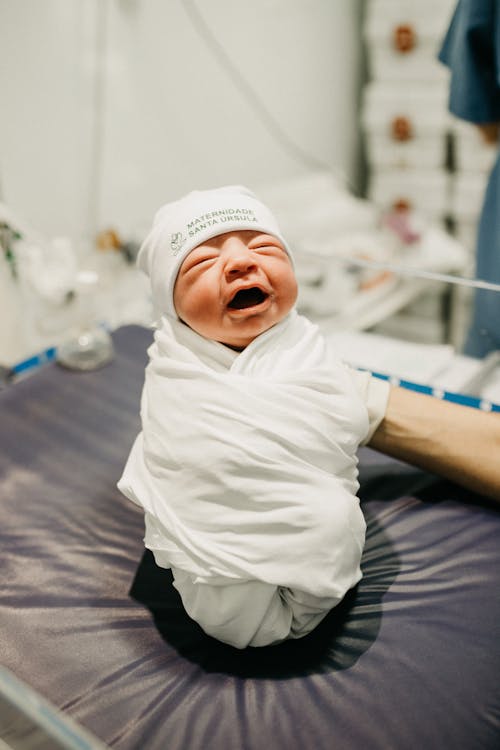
(235, 343)
(234, 348)
(240, 342)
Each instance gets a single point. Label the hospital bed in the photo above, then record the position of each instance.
(410, 659)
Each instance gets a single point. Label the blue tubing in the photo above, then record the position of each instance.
(455, 398)
(37, 360)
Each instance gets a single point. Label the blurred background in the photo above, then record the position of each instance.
(334, 111)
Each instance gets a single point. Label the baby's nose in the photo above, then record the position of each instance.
(241, 262)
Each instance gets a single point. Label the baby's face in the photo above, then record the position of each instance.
(235, 286)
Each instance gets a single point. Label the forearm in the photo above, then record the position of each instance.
(457, 442)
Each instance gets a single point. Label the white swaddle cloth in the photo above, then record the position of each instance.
(246, 464)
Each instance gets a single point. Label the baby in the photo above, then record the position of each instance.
(246, 463)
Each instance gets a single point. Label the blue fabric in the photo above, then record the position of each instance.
(484, 335)
(471, 49)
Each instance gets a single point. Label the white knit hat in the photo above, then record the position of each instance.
(182, 225)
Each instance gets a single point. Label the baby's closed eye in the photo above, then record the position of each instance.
(269, 247)
(198, 262)
(201, 261)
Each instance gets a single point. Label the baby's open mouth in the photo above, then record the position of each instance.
(247, 298)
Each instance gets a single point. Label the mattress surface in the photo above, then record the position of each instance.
(409, 660)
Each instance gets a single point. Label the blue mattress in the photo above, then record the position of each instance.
(410, 660)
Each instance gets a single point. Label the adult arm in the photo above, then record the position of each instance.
(456, 442)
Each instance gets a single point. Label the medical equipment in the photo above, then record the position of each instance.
(90, 346)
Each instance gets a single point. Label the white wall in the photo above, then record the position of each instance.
(46, 83)
(110, 107)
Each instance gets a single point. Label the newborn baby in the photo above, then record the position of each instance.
(246, 463)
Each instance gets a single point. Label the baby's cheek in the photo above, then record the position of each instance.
(291, 291)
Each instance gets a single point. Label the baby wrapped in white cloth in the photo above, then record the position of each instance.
(246, 463)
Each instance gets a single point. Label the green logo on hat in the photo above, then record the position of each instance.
(176, 242)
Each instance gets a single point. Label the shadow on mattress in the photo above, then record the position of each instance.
(337, 643)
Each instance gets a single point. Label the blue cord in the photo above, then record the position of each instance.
(455, 398)
(37, 360)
